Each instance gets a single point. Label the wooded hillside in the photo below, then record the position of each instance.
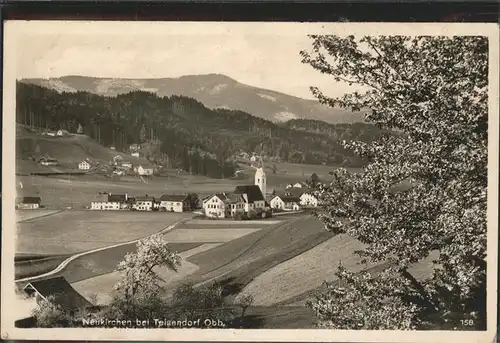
(181, 132)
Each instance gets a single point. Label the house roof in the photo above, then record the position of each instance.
(117, 197)
(233, 198)
(253, 192)
(64, 294)
(31, 200)
(290, 199)
(145, 198)
(295, 191)
(173, 197)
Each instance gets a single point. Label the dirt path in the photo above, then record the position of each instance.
(63, 265)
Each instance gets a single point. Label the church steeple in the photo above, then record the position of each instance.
(260, 179)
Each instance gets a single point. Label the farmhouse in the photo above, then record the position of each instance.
(294, 191)
(144, 203)
(252, 197)
(60, 291)
(84, 165)
(49, 162)
(284, 202)
(105, 205)
(234, 203)
(29, 203)
(175, 203)
(135, 154)
(222, 205)
(144, 171)
(308, 199)
(214, 206)
(133, 147)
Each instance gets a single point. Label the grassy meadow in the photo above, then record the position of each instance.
(70, 232)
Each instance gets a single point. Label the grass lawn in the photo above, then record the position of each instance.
(101, 284)
(24, 215)
(26, 267)
(311, 268)
(224, 234)
(238, 262)
(69, 232)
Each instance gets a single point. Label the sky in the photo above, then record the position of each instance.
(269, 61)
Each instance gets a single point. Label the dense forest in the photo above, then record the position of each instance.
(181, 132)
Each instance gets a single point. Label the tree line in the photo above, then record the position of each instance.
(182, 132)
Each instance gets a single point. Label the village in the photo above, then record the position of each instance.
(244, 202)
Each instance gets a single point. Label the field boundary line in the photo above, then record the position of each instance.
(42, 216)
(63, 264)
(243, 252)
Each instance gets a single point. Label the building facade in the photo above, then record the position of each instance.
(174, 203)
(277, 203)
(215, 207)
(29, 203)
(308, 200)
(84, 165)
(144, 204)
(104, 205)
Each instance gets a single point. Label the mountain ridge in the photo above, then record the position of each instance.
(213, 90)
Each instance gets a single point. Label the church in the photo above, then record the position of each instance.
(243, 199)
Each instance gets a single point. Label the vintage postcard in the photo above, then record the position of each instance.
(250, 181)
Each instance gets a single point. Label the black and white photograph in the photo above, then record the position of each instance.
(250, 181)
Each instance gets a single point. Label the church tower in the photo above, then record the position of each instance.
(260, 180)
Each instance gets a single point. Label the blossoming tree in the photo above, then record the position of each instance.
(423, 188)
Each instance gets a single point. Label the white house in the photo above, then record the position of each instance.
(234, 203)
(112, 147)
(135, 154)
(84, 165)
(214, 206)
(285, 203)
(29, 203)
(144, 171)
(104, 205)
(298, 185)
(126, 164)
(114, 202)
(277, 203)
(134, 147)
(174, 203)
(144, 203)
(60, 133)
(307, 199)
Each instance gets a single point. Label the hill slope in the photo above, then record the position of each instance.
(181, 132)
(68, 150)
(213, 90)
